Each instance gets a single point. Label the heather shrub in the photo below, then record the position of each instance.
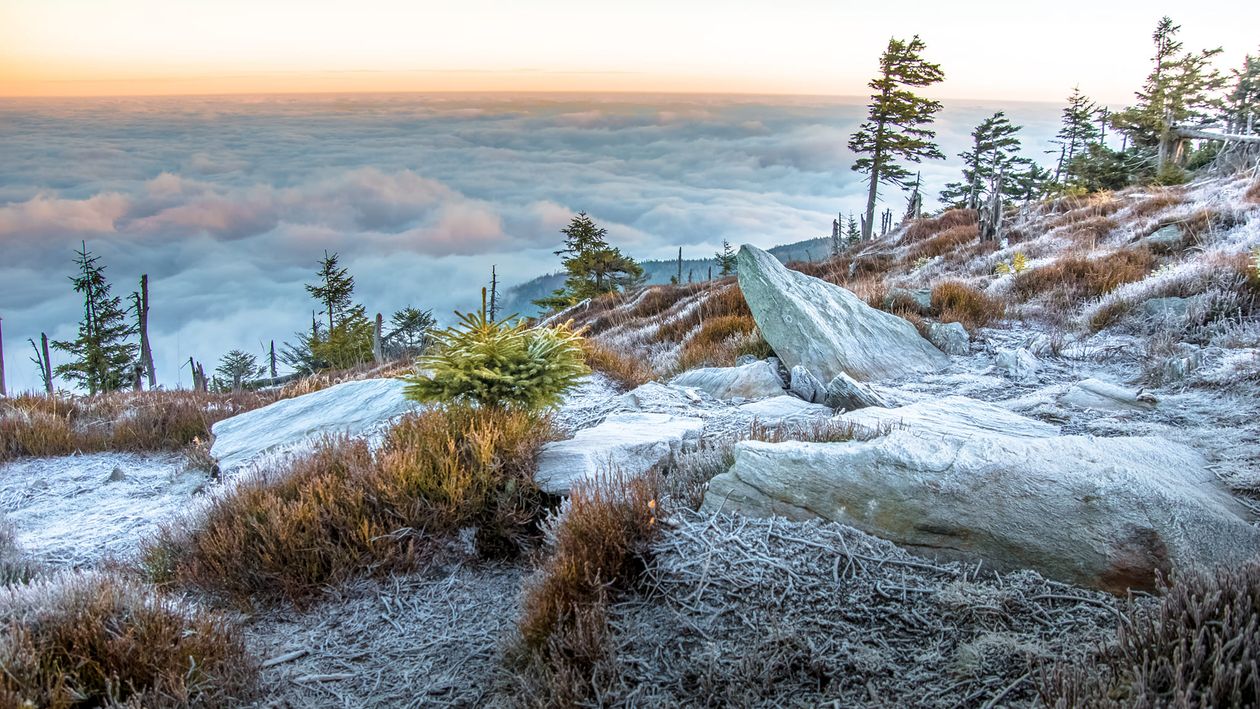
(503, 363)
(1198, 646)
(96, 640)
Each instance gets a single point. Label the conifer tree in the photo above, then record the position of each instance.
(895, 129)
(594, 267)
(348, 340)
(101, 359)
(1242, 105)
(1181, 88)
(236, 367)
(725, 259)
(409, 332)
(994, 151)
(333, 289)
(1080, 128)
(852, 234)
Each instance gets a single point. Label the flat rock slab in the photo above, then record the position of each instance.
(1107, 513)
(827, 329)
(625, 443)
(1106, 396)
(751, 381)
(786, 409)
(953, 417)
(354, 409)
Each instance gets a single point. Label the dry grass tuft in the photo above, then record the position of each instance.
(944, 242)
(627, 370)
(1253, 193)
(954, 301)
(1087, 233)
(342, 512)
(97, 640)
(1073, 279)
(1198, 647)
(718, 342)
(601, 547)
(1157, 202)
(921, 229)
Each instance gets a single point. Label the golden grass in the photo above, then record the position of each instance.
(718, 342)
(922, 229)
(954, 301)
(1253, 193)
(342, 511)
(98, 640)
(625, 368)
(1074, 278)
(943, 242)
(1157, 202)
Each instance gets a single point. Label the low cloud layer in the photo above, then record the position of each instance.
(227, 203)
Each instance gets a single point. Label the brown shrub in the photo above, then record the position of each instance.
(716, 342)
(1199, 223)
(602, 546)
(954, 301)
(1157, 202)
(341, 512)
(921, 229)
(1073, 209)
(1198, 647)
(1088, 232)
(1074, 278)
(97, 640)
(625, 368)
(725, 301)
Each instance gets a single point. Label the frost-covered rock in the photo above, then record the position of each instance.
(751, 381)
(1167, 308)
(953, 417)
(950, 338)
(1018, 364)
(1101, 512)
(625, 443)
(1106, 396)
(919, 299)
(806, 386)
(356, 408)
(1164, 240)
(785, 409)
(844, 393)
(827, 329)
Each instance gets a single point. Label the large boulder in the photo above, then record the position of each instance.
(751, 381)
(825, 328)
(625, 443)
(354, 409)
(1101, 512)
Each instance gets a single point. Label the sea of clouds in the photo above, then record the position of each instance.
(228, 202)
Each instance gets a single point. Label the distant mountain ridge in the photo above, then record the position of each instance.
(519, 298)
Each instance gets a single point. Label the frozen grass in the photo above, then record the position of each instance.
(344, 511)
(93, 639)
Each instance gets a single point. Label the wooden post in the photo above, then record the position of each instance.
(146, 353)
(48, 373)
(680, 265)
(377, 355)
(3, 390)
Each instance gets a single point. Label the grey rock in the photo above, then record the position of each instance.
(745, 359)
(117, 475)
(625, 444)
(1167, 308)
(844, 393)
(1107, 396)
(1018, 364)
(751, 381)
(950, 338)
(827, 329)
(785, 409)
(806, 386)
(953, 416)
(1136, 506)
(1164, 240)
(919, 298)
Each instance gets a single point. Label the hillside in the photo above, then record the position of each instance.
(519, 298)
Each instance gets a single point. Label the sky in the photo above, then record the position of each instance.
(989, 49)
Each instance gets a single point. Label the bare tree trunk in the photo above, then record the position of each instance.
(146, 354)
(273, 359)
(3, 390)
(872, 193)
(494, 296)
(48, 373)
(201, 375)
(377, 355)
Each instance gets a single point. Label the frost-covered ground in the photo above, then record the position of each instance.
(77, 511)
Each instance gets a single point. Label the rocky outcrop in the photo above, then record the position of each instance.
(356, 408)
(1018, 364)
(1106, 513)
(785, 409)
(826, 329)
(751, 381)
(844, 393)
(625, 443)
(1106, 396)
(953, 417)
(806, 386)
(950, 338)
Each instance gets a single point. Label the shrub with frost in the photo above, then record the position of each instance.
(499, 363)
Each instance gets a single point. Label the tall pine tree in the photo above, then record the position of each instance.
(1080, 128)
(594, 266)
(333, 289)
(994, 151)
(1242, 105)
(348, 340)
(725, 259)
(101, 359)
(895, 128)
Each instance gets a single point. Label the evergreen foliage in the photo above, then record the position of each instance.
(101, 358)
(1242, 105)
(408, 335)
(1079, 130)
(895, 129)
(994, 152)
(725, 259)
(347, 341)
(333, 290)
(505, 364)
(236, 367)
(594, 267)
(852, 233)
